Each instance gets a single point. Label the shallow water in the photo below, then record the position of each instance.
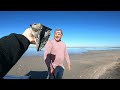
(33, 51)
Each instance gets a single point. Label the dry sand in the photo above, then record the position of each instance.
(91, 65)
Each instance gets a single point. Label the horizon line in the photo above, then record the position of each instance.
(87, 46)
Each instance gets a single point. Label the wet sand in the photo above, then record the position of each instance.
(103, 64)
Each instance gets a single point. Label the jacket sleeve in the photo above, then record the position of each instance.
(12, 47)
(47, 53)
(67, 58)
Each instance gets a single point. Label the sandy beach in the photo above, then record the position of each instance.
(98, 64)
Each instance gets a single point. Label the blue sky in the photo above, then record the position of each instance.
(80, 28)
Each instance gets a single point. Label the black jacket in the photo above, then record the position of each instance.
(12, 47)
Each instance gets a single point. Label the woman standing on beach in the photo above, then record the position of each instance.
(54, 55)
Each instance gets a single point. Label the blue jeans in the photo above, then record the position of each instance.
(57, 74)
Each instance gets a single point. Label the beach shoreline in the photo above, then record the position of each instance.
(90, 65)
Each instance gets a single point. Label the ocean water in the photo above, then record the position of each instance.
(33, 51)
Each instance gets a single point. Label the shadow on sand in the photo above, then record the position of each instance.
(37, 74)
